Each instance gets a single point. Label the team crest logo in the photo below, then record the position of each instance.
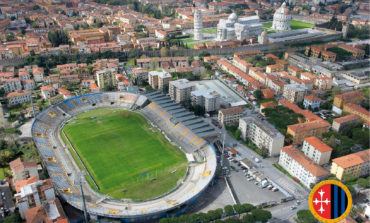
(330, 201)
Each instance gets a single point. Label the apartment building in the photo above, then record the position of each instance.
(323, 83)
(354, 97)
(357, 110)
(34, 194)
(230, 116)
(180, 90)
(50, 211)
(12, 84)
(23, 169)
(301, 167)
(47, 91)
(18, 97)
(242, 64)
(38, 74)
(262, 134)
(340, 123)
(140, 74)
(311, 101)
(301, 131)
(209, 99)
(316, 150)
(159, 79)
(294, 92)
(106, 78)
(356, 164)
(28, 84)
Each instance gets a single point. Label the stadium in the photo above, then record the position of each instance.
(181, 133)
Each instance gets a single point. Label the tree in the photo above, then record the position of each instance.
(229, 210)
(305, 216)
(258, 94)
(199, 110)
(248, 218)
(331, 141)
(348, 178)
(261, 215)
(204, 54)
(238, 134)
(35, 7)
(58, 37)
(15, 218)
(164, 52)
(335, 90)
(232, 220)
(248, 207)
(10, 37)
(364, 182)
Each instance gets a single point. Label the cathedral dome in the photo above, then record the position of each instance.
(233, 17)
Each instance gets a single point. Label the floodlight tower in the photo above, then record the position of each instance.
(78, 181)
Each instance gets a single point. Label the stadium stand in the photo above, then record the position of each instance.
(189, 132)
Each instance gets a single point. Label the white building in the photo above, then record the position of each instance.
(159, 79)
(262, 134)
(28, 84)
(180, 90)
(301, 167)
(230, 116)
(209, 99)
(198, 25)
(282, 19)
(311, 101)
(316, 150)
(34, 194)
(47, 91)
(12, 84)
(18, 97)
(140, 74)
(38, 74)
(294, 92)
(238, 28)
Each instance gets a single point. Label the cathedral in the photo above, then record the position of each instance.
(238, 28)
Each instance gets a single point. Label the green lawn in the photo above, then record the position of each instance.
(267, 25)
(294, 24)
(3, 172)
(210, 31)
(121, 151)
(267, 100)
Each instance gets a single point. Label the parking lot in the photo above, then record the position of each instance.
(247, 189)
(6, 200)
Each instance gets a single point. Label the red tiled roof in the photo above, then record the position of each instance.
(232, 110)
(304, 161)
(347, 118)
(349, 95)
(20, 164)
(318, 144)
(312, 98)
(21, 183)
(358, 109)
(353, 159)
(301, 127)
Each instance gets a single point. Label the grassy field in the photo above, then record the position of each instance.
(294, 24)
(210, 31)
(126, 158)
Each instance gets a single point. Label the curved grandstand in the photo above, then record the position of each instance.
(190, 133)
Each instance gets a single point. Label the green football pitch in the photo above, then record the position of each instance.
(125, 156)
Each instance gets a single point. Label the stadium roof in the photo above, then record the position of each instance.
(194, 123)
